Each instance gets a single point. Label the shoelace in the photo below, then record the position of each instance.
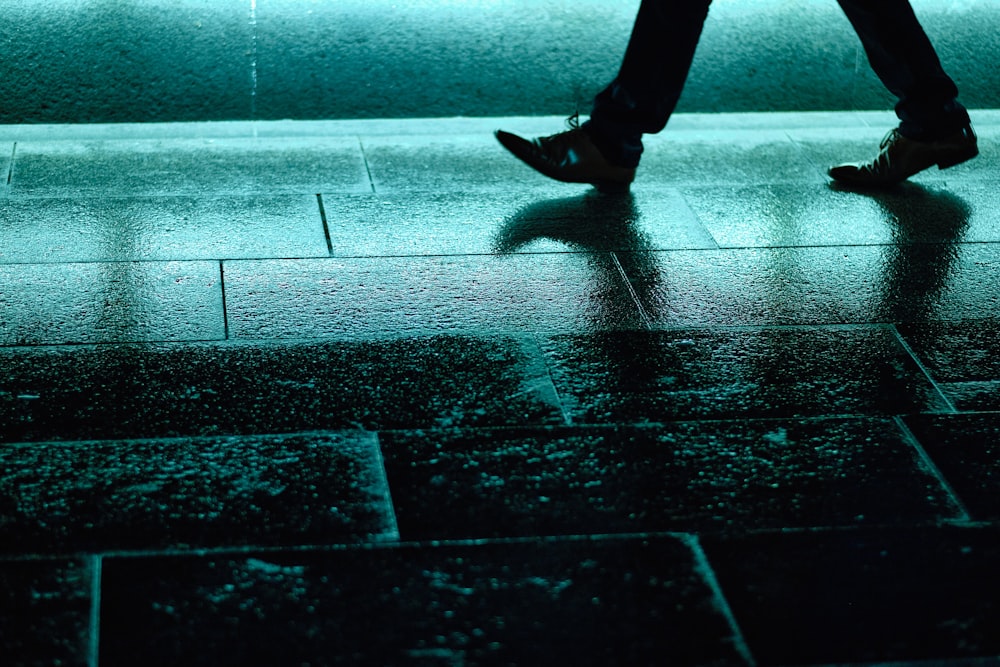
(882, 163)
(556, 146)
(889, 138)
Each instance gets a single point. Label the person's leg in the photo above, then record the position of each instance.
(904, 59)
(934, 129)
(644, 94)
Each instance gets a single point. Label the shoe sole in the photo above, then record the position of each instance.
(612, 188)
(946, 163)
(958, 159)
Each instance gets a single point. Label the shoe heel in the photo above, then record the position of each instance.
(957, 159)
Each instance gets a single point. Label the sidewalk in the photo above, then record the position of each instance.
(374, 393)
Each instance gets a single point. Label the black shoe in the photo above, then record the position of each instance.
(570, 157)
(899, 158)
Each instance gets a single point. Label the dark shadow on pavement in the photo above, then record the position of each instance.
(591, 222)
(928, 226)
(605, 227)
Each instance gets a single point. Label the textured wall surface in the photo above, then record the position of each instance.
(149, 60)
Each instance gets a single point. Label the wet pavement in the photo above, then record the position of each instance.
(374, 393)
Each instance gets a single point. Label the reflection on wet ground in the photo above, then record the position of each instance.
(401, 401)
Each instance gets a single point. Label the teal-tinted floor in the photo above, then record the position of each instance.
(375, 393)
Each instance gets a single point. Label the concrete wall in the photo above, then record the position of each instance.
(158, 60)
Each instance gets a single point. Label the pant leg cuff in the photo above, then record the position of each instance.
(619, 151)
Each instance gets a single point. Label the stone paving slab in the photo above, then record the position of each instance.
(639, 601)
(914, 283)
(370, 298)
(6, 156)
(660, 376)
(66, 498)
(202, 167)
(630, 376)
(95, 229)
(705, 477)
(792, 215)
(871, 596)
(207, 389)
(107, 302)
(463, 163)
(501, 223)
(966, 449)
(45, 611)
(728, 156)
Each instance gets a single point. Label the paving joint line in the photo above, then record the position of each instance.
(691, 539)
(647, 321)
(96, 563)
(390, 505)
(225, 309)
(952, 409)
(499, 428)
(566, 415)
(326, 224)
(704, 567)
(368, 168)
(382, 544)
(934, 470)
(10, 168)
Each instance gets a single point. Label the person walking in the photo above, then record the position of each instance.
(934, 128)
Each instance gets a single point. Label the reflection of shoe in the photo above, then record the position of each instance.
(570, 157)
(900, 158)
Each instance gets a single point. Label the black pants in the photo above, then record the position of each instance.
(642, 97)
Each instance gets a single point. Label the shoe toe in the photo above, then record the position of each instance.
(519, 146)
(842, 171)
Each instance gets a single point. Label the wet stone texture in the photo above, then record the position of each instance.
(863, 596)
(717, 374)
(512, 222)
(966, 449)
(373, 392)
(790, 214)
(729, 157)
(193, 493)
(963, 358)
(982, 199)
(94, 229)
(45, 609)
(916, 282)
(189, 167)
(6, 151)
(152, 391)
(110, 302)
(579, 602)
(362, 298)
(464, 163)
(704, 477)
